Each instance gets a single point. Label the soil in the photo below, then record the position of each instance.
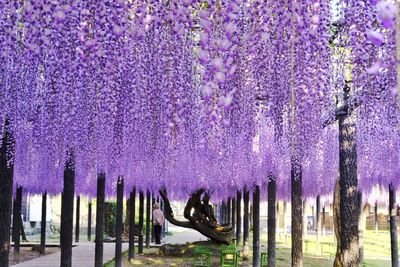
(26, 254)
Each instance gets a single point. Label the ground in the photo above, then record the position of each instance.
(377, 253)
(26, 254)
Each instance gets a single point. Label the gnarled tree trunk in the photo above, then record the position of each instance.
(200, 217)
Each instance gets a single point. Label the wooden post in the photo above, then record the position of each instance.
(323, 221)
(141, 211)
(89, 229)
(238, 216)
(78, 214)
(132, 203)
(17, 225)
(118, 222)
(393, 226)
(271, 222)
(297, 215)
(43, 224)
(151, 221)
(233, 213)
(100, 205)
(318, 219)
(246, 196)
(6, 189)
(376, 217)
(148, 216)
(163, 230)
(67, 213)
(222, 213)
(256, 226)
(228, 211)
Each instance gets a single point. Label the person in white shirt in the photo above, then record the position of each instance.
(158, 222)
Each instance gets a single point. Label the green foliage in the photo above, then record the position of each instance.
(110, 219)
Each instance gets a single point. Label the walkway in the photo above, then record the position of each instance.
(82, 255)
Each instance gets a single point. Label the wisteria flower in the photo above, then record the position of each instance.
(375, 37)
(387, 12)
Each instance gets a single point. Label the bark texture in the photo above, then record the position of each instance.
(200, 217)
(393, 226)
(100, 206)
(132, 213)
(89, 230)
(17, 222)
(43, 225)
(78, 214)
(67, 211)
(297, 215)
(349, 201)
(148, 216)
(6, 189)
(256, 226)
(318, 222)
(238, 216)
(271, 222)
(118, 222)
(246, 223)
(141, 217)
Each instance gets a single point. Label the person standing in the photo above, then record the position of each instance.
(158, 222)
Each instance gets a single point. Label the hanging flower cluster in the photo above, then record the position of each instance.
(196, 93)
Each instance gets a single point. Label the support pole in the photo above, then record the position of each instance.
(132, 203)
(376, 217)
(148, 216)
(118, 222)
(89, 229)
(151, 222)
(141, 211)
(17, 225)
(297, 215)
(163, 230)
(238, 216)
(228, 211)
(100, 206)
(246, 196)
(256, 226)
(67, 213)
(6, 189)
(78, 214)
(323, 221)
(318, 219)
(233, 213)
(271, 222)
(222, 212)
(43, 225)
(393, 226)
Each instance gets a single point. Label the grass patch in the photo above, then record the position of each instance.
(376, 251)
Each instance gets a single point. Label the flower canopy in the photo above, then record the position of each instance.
(197, 93)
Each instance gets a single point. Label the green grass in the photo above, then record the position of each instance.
(376, 251)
